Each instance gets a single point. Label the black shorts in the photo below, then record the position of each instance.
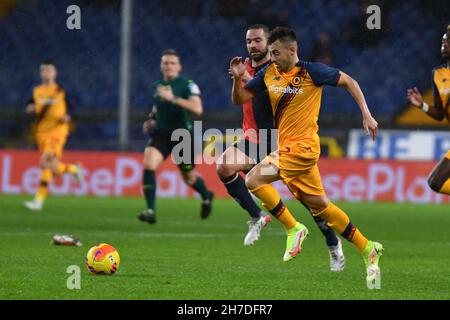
(255, 151)
(161, 140)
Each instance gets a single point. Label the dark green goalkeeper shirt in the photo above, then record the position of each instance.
(170, 116)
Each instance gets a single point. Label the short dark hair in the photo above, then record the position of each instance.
(170, 52)
(48, 62)
(283, 34)
(261, 26)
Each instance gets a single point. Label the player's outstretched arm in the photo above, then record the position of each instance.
(239, 94)
(369, 123)
(436, 112)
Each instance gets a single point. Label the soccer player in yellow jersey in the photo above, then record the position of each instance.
(295, 90)
(439, 179)
(49, 103)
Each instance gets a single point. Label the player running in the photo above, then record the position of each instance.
(175, 97)
(49, 103)
(243, 155)
(295, 90)
(439, 179)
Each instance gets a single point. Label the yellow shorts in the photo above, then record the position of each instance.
(51, 143)
(447, 155)
(298, 169)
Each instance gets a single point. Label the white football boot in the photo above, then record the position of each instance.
(34, 205)
(254, 229)
(337, 258)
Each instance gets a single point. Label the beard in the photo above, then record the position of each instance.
(257, 56)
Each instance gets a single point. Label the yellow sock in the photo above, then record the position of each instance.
(273, 203)
(340, 222)
(66, 168)
(446, 187)
(42, 191)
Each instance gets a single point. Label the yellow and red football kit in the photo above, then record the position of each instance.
(441, 90)
(51, 108)
(295, 98)
(51, 131)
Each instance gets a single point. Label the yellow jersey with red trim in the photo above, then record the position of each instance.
(51, 108)
(295, 97)
(441, 86)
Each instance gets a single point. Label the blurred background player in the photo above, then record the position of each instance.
(295, 90)
(244, 155)
(175, 97)
(49, 104)
(439, 179)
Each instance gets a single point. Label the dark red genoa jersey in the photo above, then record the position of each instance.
(257, 111)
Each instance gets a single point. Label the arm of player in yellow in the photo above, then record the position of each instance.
(369, 123)
(436, 111)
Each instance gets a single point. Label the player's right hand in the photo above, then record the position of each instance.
(237, 68)
(415, 97)
(148, 125)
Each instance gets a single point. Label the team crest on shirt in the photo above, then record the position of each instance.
(299, 77)
(296, 81)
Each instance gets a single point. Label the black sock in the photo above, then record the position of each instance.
(238, 190)
(200, 187)
(328, 233)
(149, 188)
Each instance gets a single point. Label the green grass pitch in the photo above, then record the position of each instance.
(184, 257)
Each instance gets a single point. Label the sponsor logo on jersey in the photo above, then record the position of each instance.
(290, 90)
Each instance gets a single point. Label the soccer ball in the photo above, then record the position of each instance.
(103, 259)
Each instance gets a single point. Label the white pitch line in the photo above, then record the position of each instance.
(146, 234)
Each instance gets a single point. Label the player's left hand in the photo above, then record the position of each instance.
(246, 76)
(165, 92)
(237, 68)
(370, 126)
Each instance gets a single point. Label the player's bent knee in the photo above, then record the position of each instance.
(150, 163)
(316, 204)
(189, 179)
(224, 170)
(251, 181)
(46, 163)
(149, 166)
